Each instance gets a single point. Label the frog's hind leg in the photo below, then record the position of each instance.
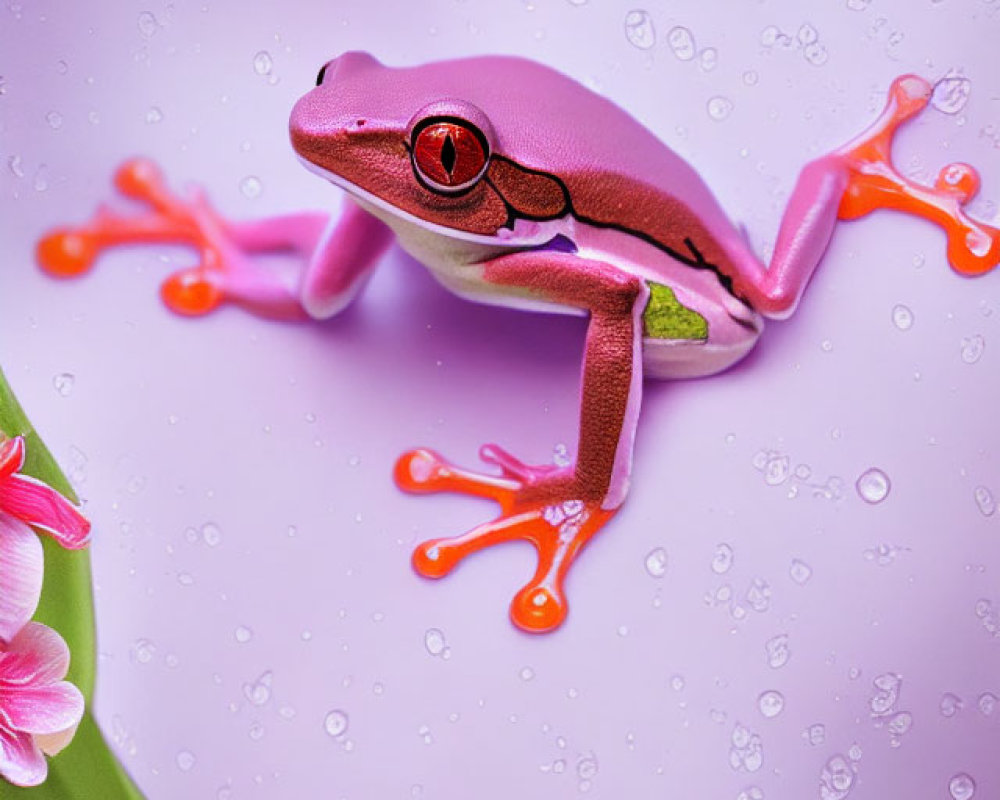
(556, 509)
(226, 271)
(853, 181)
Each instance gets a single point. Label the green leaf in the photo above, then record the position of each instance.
(86, 768)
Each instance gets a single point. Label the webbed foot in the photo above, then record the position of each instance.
(541, 505)
(874, 182)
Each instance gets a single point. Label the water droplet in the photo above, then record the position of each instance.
(677, 682)
(559, 766)
(185, 579)
(719, 107)
(807, 34)
(750, 77)
(639, 29)
(251, 187)
(527, 673)
(185, 760)
(434, 641)
(143, 650)
(656, 562)
(836, 778)
(800, 571)
(987, 703)
(771, 703)
(902, 317)
(951, 93)
(950, 704)
(777, 651)
(751, 793)
(681, 43)
(776, 469)
(256, 731)
(425, 733)
(211, 534)
(586, 767)
(873, 485)
(722, 561)
(815, 734)
(858, 5)
(63, 383)
(758, 596)
(961, 786)
(972, 348)
(153, 115)
(978, 242)
(708, 59)
(259, 692)
(147, 23)
(55, 120)
(16, 166)
(335, 723)
(900, 723)
(746, 752)
(243, 634)
(887, 687)
(262, 62)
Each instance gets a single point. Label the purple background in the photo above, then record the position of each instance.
(283, 436)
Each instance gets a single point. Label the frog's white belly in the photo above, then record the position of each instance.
(456, 261)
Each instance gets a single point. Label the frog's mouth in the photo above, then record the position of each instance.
(524, 234)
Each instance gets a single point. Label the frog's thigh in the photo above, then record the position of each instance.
(344, 258)
(612, 369)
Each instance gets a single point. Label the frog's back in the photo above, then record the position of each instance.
(615, 171)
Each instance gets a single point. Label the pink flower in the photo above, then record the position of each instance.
(39, 711)
(25, 501)
(36, 503)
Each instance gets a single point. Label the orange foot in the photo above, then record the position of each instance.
(537, 505)
(66, 252)
(973, 247)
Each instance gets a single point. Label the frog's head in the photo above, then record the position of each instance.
(409, 141)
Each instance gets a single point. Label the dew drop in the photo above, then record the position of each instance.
(677, 682)
(185, 760)
(147, 23)
(972, 348)
(722, 561)
(527, 673)
(55, 120)
(961, 786)
(681, 43)
(978, 242)
(143, 650)
(815, 734)
(858, 5)
(777, 651)
(639, 29)
(586, 767)
(902, 317)
(800, 571)
(807, 34)
(434, 641)
(951, 93)
(211, 534)
(719, 107)
(262, 62)
(987, 703)
(771, 703)
(873, 485)
(335, 723)
(836, 778)
(750, 77)
(708, 59)
(251, 187)
(656, 562)
(16, 166)
(950, 704)
(751, 793)
(154, 115)
(243, 634)
(63, 383)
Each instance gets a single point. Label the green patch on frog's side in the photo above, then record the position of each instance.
(86, 769)
(666, 318)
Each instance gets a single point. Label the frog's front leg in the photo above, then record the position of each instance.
(556, 509)
(338, 256)
(853, 181)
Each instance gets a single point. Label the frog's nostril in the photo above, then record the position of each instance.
(322, 74)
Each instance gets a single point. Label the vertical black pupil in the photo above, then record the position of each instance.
(448, 154)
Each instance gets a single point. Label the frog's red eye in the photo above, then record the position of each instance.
(449, 155)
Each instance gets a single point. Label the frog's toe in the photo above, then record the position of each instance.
(538, 608)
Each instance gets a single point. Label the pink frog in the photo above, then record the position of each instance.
(517, 186)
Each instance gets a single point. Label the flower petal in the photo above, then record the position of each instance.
(37, 656)
(11, 455)
(21, 567)
(42, 709)
(52, 744)
(21, 761)
(40, 505)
